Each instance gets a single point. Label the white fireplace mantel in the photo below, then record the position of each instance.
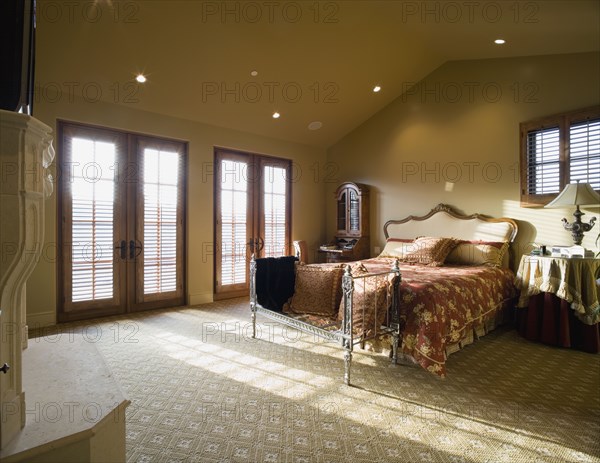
(25, 154)
(50, 373)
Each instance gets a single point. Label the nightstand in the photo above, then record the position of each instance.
(558, 303)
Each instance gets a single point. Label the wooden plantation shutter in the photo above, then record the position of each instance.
(559, 150)
(234, 222)
(252, 216)
(274, 211)
(121, 206)
(160, 220)
(584, 152)
(91, 219)
(543, 161)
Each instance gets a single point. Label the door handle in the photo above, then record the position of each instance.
(260, 244)
(123, 249)
(135, 249)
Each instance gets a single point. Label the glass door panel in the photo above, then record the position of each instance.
(274, 211)
(158, 244)
(91, 198)
(233, 224)
(160, 221)
(251, 216)
(121, 235)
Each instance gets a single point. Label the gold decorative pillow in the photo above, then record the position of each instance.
(370, 301)
(317, 291)
(489, 253)
(430, 251)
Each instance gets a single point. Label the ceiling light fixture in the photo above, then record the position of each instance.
(141, 78)
(253, 73)
(315, 125)
(499, 41)
(276, 115)
(376, 89)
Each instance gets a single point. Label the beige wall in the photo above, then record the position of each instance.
(459, 129)
(307, 190)
(455, 139)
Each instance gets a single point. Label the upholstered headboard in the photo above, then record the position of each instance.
(445, 221)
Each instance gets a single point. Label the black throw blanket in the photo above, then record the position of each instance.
(275, 280)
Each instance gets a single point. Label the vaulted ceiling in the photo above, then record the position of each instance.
(316, 61)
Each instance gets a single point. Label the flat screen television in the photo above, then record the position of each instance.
(17, 55)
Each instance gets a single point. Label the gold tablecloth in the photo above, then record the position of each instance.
(573, 280)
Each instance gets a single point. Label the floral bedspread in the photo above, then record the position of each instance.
(439, 305)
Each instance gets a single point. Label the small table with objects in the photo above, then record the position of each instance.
(558, 302)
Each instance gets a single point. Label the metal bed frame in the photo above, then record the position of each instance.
(345, 335)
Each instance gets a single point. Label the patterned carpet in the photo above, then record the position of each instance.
(203, 391)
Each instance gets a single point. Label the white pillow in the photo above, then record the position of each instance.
(396, 247)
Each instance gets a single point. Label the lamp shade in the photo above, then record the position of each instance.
(576, 194)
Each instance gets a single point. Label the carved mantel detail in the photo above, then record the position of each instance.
(26, 152)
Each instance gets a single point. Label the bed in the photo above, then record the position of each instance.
(442, 280)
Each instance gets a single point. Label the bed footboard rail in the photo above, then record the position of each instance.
(391, 324)
(346, 335)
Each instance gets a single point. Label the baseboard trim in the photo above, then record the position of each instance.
(39, 320)
(201, 298)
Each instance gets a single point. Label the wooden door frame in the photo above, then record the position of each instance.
(220, 154)
(97, 308)
(137, 300)
(255, 216)
(129, 305)
(259, 210)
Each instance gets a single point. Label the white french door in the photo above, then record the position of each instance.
(121, 212)
(252, 216)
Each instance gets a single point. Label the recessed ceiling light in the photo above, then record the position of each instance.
(253, 73)
(499, 41)
(276, 115)
(376, 89)
(315, 125)
(141, 78)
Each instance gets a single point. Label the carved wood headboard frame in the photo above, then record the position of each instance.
(474, 227)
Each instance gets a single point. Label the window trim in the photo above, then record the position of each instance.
(564, 121)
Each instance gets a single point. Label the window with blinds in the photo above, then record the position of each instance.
(543, 161)
(161, 178)
(559, 150)
(92, 200)
(584, 153)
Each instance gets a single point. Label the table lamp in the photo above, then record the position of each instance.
(577, 194)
